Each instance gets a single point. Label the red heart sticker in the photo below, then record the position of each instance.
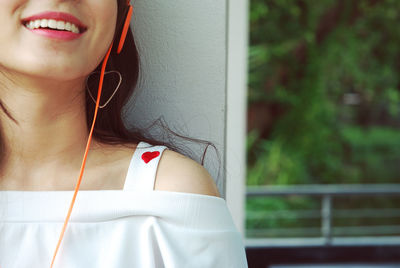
(148, 156)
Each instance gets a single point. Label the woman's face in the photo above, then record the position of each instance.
(27, 48)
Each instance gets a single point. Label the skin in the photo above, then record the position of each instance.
(42, 85)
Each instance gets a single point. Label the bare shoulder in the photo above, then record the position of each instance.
(178, 173)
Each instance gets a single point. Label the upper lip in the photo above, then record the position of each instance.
(56, 16)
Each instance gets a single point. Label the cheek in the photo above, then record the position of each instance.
(104, 14)
(9, 18)
(12, 43)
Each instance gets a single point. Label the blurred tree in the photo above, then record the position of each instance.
(324, 92)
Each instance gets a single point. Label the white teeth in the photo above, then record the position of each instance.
(75, 29)
(60, 25)
(68, 26)
(31, 25)
(53, 24)
(44, 23)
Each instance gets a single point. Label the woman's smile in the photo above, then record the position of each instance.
(57, 25)
(59, 40)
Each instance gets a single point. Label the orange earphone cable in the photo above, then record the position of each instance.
(103, 68)
(125, 29)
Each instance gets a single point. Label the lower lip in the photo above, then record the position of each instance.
(60, 35)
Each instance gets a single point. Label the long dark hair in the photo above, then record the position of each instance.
(110, 127)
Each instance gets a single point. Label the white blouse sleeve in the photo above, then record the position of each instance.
(200, 233)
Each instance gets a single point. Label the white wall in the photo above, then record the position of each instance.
(183, 47)
(236, 109)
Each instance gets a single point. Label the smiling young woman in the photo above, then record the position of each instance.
(139, 204)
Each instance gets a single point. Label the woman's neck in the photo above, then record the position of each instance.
(50, 129)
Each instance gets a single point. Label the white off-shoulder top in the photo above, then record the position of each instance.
(133, 227)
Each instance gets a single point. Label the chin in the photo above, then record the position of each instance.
(59, 67)
(54, 72)
(59, 75)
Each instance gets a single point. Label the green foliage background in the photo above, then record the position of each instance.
(324, 97)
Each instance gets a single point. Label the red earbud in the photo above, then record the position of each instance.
(125, 28)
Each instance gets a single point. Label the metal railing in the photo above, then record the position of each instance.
(327, 193)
